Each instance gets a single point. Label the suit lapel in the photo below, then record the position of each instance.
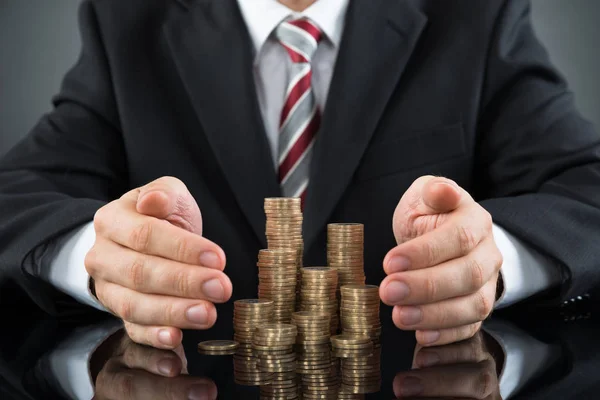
(379, 38)
(213, 54)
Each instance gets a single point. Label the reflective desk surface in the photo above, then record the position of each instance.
(531, 356)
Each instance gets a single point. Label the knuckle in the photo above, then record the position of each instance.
(169, 314)
(100, 220)
(477, 274)
(184, 285)
(91, 262)
(483, 384)
(183, 250)
(498, 259)
(125, 309)
(430, 288)
(136, 274)
(431, 253)
(125, 385)
(140, 237)
(483, 306)
(466, 239)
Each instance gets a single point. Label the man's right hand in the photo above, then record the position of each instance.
(151, 266)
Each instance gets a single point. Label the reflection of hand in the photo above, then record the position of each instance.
(140, 372)
(443, 274)
(465, 369)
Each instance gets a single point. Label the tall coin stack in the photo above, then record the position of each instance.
(273, 345)
(247, 315)
(318, 287)
(284, 226)
(359, 314)
(319, 371)
(277, 281)
(345, 243)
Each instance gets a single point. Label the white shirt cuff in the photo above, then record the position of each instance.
(525, 272)
(67, 268)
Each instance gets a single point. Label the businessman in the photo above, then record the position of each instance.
(442, 126)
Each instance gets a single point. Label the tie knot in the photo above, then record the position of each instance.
(300, 38)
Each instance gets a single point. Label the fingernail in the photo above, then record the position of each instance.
(165, 366)
(427, 359)
(164, 336)
(396, 291)
(210, 260)
(411, 386)
(398, 264)
(199, 392)
(197, 314)
(429, 337)
(410, 315)
(214, 290)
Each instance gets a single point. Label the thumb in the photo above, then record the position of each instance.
(168, 198)
(440, 195)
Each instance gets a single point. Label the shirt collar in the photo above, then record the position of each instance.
(263, 16)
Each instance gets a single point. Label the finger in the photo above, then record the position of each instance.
(431, 338)
(450, 313)
(125, 383)
(457, 237)
(471, 380)
(168, 198)
(458, 351)
(440, 195)
(120, 223)
(160, 337)
(153, 360)
(155, 275)
(454, 278)
(156, 310)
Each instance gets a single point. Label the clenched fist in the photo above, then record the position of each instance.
(152, 267)
(442, 276)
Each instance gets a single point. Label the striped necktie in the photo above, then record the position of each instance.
(300, 116)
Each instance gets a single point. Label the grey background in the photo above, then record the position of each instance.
(39, 42)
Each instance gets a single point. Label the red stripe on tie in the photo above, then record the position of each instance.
(309, 28)
(301, 87)
(300, 146)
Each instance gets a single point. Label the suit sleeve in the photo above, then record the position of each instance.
(69, 165)
(538, 170)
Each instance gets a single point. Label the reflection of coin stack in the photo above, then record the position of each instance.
(277, 281)
(247, 315)
(273, 345)
(319, 371)
(345, 252)
(359, 314)
(318, 286)
(284, 227)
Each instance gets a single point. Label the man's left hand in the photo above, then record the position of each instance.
(442, 276)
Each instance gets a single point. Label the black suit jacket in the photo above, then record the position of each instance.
(165, 87)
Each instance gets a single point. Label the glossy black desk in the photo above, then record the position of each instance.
(474, 369)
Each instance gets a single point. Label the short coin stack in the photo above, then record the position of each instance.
(361, 327)
(320, 378)
(284, 226)
(345, 252)
(247, 315)
(318, 287)
(277, 281)
(273, 345)
(218, 347)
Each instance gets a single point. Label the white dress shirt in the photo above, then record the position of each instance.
(524, 271)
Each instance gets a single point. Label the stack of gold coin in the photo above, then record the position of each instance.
(359, 313)
(247, 315)
(359, 310)
(284, 226)
(277, 281)
(345, 243)
(318, 287)
(314, 361)
(273, 345)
